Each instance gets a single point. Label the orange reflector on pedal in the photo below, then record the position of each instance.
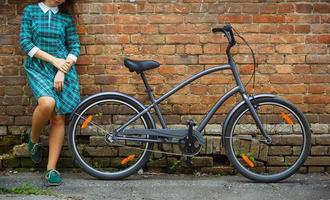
(247, 160)
(127, 159)
(286, 118)
(86, 122)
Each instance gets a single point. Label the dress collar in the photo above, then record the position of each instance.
(45, 8)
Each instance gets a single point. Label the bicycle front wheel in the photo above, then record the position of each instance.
(87, 137)
(248, 151)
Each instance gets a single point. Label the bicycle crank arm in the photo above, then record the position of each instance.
(168, 133)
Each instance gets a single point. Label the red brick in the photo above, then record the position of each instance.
(284, 28)
(303, 19)
(211, 48)
(85, 60)
(286, 38)
(149, 29)
(180, 59)
(236, 19)
(165, 19)
(318, 39)
(201, 18)
(147, 39)
(107, 8)
(182, 39)
(127, 8)
(302, 28)
(268, 19)
(320, 28)
(286, 8)
(165, 28)
(316, 99)
(318, 59)
(94, 49)
(95, 19)
(194, 49)
(304, 8)
(166, 49)
(268, 28)
(130, 19)
(268, 8)
(284, 78)
(321, 8)
(317, 88)
(112, 39)
(295, 59)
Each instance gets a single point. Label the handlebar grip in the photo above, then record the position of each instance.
(216, 30)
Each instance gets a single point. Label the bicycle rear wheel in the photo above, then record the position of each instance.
(87, 137)
(252, 156)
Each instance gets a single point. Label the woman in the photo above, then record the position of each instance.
(48, 35)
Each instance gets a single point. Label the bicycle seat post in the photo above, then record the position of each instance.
(152, 99)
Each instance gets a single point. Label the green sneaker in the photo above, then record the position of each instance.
(52, 178)
(35, 150)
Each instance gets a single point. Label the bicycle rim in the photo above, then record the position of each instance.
(260, 161)
(98, 157)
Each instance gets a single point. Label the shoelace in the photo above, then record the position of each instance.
(51, 171)
(35, 147)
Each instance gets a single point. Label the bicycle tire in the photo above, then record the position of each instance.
(242, 165)
(78, 156)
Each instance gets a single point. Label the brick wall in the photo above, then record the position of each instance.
(290, 38)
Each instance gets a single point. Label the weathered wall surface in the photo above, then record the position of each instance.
(290, 38)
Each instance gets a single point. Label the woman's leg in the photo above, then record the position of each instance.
(56, 138)
(41, 114)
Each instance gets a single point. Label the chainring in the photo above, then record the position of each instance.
(190, 150)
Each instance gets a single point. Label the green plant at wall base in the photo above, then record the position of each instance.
(197, 173)
(98, 114)
(27, 189)
(176, 164)
(250, 156)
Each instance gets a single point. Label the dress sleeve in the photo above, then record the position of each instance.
(72, 39)
(25, 35)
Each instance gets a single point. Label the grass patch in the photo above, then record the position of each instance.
(27, 189)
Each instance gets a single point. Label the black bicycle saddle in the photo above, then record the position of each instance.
(141, 65)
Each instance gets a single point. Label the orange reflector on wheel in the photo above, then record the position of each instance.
(286, 118)
(247, 160)
(127, 159)
(86, 122)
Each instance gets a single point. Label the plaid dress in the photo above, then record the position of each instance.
(55, 34)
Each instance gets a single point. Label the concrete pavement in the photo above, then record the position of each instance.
(80, 186)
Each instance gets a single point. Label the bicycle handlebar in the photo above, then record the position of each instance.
(228, 31)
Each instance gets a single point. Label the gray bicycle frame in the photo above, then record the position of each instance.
(227, 30)
(239, 88)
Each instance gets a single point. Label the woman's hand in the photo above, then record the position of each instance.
(60, 64)
(69, 62)
(59, 81)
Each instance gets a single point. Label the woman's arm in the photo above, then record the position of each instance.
(27, 45)
(57, 62)
(73, 42)
(25, 36)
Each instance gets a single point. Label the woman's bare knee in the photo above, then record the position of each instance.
(46, 104)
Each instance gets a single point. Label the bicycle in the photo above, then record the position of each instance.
(259, 129)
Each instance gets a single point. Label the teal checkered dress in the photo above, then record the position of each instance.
(55, 34)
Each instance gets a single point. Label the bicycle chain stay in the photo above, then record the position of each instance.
(154, 151)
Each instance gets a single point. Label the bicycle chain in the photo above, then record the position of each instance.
(154, 151)
(157, 151)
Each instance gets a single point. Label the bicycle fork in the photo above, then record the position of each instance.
(256, 118)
